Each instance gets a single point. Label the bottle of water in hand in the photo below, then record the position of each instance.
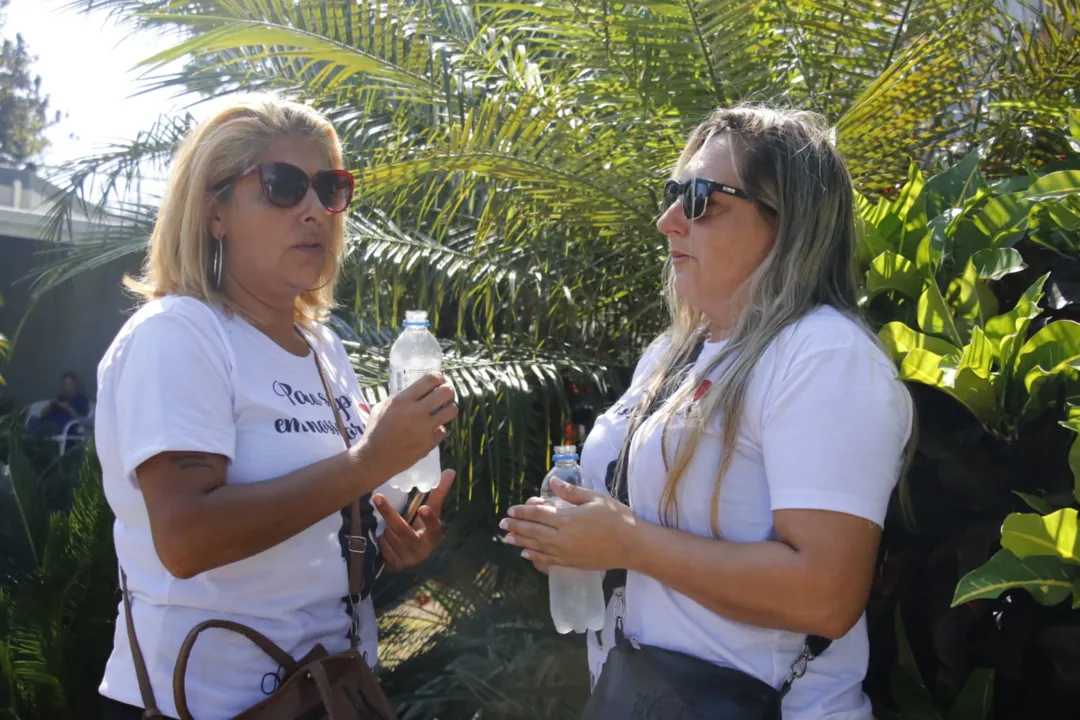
(415, 353)
(577, 596)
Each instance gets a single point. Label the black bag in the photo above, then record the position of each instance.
(643, 682)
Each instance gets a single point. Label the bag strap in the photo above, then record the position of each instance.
(146, 690)
(268, 646)
(357, 544)
(814, 645)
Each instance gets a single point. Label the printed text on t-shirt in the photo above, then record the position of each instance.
(298, 398)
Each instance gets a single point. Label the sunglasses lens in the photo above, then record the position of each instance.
(696, 199)
(672, 191)
(283, 184)
(334, 188)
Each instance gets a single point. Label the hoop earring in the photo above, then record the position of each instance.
(219, 260)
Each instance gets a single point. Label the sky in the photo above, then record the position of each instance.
(87, 66)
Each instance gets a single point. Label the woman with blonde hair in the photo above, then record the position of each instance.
(739, 487)
(232, 432)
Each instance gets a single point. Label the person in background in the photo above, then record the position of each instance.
(70, 404)
(221, 453)
(736, 492)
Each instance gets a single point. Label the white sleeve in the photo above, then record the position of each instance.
(833, 433)
(173, 392)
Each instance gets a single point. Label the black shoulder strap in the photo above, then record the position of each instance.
(815, 645)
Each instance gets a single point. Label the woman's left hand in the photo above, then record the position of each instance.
(404, 547)
(595, 534)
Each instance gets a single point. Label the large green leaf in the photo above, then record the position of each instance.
(965, 384)
(976, 699)
(1007, 332)
(978, 354)
(899, 340)
(1026, 534)
(964, 294)
(934, 315)
(1054, 186)
(906, 680)
(1072, 422)
(890, 271)
(954, 186)
(1051, 355)
(1003, 219)
(994, 264)
(1047, 579)
(934, 244)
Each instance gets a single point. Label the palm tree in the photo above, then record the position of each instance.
(508, 158)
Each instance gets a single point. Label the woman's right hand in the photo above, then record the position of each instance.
(403, 429)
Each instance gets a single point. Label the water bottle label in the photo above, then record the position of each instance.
(402, 378)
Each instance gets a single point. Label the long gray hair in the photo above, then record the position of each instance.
(786, 162)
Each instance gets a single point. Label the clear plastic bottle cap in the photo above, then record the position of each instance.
(416, 318)
(565, 452)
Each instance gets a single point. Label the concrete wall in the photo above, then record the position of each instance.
(69, 329)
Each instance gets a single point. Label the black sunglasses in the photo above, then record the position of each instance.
(695, 195)
(285, 185)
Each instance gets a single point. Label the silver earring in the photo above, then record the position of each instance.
(219, 260)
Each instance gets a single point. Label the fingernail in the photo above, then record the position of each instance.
(511, 512)
(510, 540)
(504, 524)
(556, 482)
(526, 554)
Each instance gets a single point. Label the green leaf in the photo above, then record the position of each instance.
(906, 681)
(934, 316)
(977, 393)
(933, 245)
(899, 340)
(978, 354)
(871, 242)
(1074, 465)
(1007, 332)
(953, 187)
(963, 294)
(994, 264)
(1047, 579)
(965, 385)
(1003, 217)
(889, 271)
(1055, 535)
(976, 699)
(1036, 503)
(1054, 186)
(1052, 354)
(911, 212)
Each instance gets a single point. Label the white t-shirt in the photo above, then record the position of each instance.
(824, 427)
(598, 457)
(181, 375)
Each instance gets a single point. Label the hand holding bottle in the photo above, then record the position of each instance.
(404, 429)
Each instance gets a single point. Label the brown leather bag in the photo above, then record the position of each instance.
(318, 686)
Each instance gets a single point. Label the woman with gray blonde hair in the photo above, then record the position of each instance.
(736, 492)
(232, 432)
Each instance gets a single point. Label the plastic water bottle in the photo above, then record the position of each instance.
(577, 596)
(415, 353)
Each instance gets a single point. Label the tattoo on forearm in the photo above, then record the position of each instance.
(191, 461)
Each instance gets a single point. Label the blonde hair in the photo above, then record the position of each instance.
(180, 257)
(786, 162)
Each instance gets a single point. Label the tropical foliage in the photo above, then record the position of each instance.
(508, 157)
